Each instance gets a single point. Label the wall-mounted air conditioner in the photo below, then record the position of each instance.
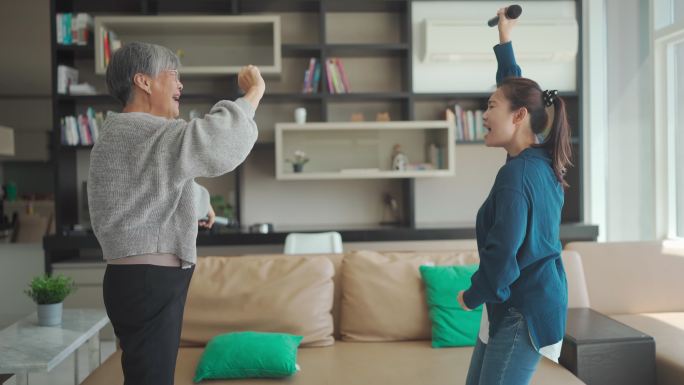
(455, 41)
(452, 45)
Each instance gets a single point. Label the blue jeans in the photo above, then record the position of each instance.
(509, 358)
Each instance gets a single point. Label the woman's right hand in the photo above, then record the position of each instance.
(505, 26)
(252, 84)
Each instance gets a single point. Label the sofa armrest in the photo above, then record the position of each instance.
(601, 350)
(4, 377)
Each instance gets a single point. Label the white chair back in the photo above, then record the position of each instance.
(313, 243)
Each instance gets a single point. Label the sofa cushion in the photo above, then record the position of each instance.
(668, 331)
(451, 324)
(383, 296)
(336, 260)
(346, 363)
(633, 277)
(283, 294)
(248, 355)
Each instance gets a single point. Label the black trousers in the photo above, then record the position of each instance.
(145, 305)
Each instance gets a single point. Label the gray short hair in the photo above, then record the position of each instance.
(137, 57)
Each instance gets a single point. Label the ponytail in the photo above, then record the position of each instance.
(558, 141)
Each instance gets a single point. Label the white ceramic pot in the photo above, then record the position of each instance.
(50, 315)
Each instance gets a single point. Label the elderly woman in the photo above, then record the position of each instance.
(145, 205)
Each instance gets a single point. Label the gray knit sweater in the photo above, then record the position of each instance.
(141, 190)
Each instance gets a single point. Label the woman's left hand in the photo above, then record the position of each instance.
(211, 217)
(505, 26)
(461, 301)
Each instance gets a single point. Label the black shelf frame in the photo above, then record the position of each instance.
(65, 157)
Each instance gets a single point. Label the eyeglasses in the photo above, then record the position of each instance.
(176, 74)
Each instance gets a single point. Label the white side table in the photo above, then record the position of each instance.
(26, 347)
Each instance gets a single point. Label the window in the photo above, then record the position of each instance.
(678, 95)
(668, 73)
(668, 12)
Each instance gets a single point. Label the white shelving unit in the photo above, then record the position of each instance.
(209, 45)
(362, 150)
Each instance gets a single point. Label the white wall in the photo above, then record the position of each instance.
(457, 199)
(618, 119)
(21, 262)
(595, 115)
(630, 208)
(309, 203)
(679, 137)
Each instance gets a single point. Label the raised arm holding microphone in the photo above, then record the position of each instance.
(520, 281)
(144, 202)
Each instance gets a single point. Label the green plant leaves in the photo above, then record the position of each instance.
(45, 290)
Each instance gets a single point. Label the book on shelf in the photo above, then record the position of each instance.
(312, 77)
(82, 89)
(81, 130)
(437, 156)
(338, 82)
(110, 43)
(66, 76)
(73, 28)
(469, 124)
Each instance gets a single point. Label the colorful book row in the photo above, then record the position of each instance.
(81, 130)
(73, 28)
(337, 80)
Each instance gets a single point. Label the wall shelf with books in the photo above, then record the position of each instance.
(374, 74)
(364, 150)
(372, 39)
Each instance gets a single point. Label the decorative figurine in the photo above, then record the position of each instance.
(399, 160)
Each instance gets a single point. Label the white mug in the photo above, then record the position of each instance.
(300, 115)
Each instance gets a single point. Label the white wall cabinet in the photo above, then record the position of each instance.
(363, 150)
(207, 45)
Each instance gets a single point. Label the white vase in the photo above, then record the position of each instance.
(300, 115)
(50, 315)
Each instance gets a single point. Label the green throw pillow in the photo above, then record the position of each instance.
(451, 325)
(249, 355)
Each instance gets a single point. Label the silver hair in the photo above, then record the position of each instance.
(133, 58)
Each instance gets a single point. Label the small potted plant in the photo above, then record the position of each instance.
(49, 294)
(299, 160)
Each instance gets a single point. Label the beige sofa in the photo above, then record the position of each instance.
(641, 284)
(363, 316)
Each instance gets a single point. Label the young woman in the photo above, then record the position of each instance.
(521, 280)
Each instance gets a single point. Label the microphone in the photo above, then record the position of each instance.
(512, 12)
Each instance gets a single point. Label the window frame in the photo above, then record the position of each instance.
(664, 41)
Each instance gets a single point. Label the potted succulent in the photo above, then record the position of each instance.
(49, 294)
(299, 160)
